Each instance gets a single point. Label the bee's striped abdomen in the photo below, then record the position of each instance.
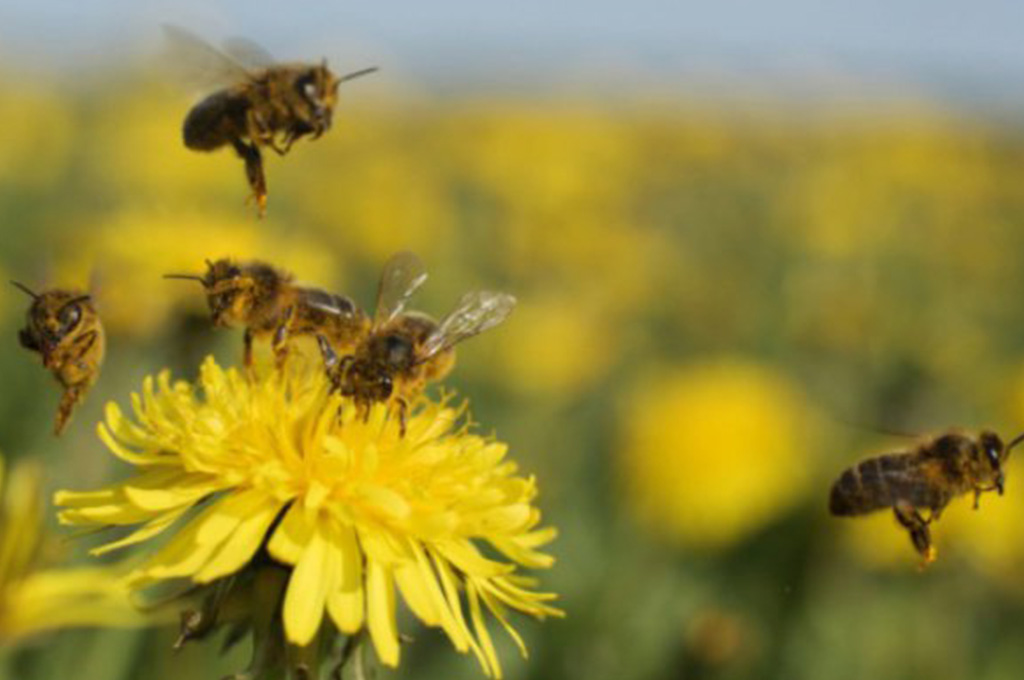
(882, 482)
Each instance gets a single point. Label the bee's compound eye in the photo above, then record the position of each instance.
(399, 350)
(70, 316)
(309, 89)
(386, 386)
(993, 456)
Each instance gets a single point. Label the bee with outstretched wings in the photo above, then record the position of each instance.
(258, 103)
(403, 350)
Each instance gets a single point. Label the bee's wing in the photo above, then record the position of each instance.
(248, 53)
(403, 274)
(329, 303)
(474, 313)
(199, 63)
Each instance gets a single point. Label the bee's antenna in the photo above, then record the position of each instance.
(358, 74)
(185, 277)
(74, 300)
(209, 263)
(1017, 440)
(22, 287)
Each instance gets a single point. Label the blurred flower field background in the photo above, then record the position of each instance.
(722, 304)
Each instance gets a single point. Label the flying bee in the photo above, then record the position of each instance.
(262, 103)
(267, 302)
(926, 477)
(403, 351)
(64, 328)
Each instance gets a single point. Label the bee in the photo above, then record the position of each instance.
(262, 103)
(926, 477)
(403, 351)
(64, 328)
(267, 302)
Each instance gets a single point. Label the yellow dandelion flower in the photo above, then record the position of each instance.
(273, 465)
(35, 599)
(716, 451)
(36, 127)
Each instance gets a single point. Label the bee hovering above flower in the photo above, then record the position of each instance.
(64, 328)
(926, 477)
(267, 302)
(260, 104)
(403, 351)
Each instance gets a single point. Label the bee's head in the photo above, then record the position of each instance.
(370, 374)
(227, 290)
(318, 88)
(53, 316)
(367, 380)
(993, 454)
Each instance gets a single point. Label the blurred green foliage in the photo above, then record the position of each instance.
(865, 265)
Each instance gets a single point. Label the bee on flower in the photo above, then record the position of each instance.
(270, 479)
(393, 359)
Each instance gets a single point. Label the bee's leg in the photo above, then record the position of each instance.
(281, 339)
(72, 395)
(83, 344)
(339, 373)
(289, 139)
(911, 520)
(291, 136)
(271, 144)
(257, 130)
(250, 153)
(327, 352)
(403, 411)
(979, 490)
(261, 134)
(247, 348)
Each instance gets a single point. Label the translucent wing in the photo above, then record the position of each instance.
(199, 63)
(473, 314)
(329, 303)
(403, 274)
(248, 53)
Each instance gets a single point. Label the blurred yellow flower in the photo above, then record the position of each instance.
(35, 598)
(993, 536)
(35, 135)
(556, 346)
(353, 508)
(126, 256)
(373, 190)
(713, 452)
(148, 158)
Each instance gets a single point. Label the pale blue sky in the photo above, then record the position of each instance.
(959, 42)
